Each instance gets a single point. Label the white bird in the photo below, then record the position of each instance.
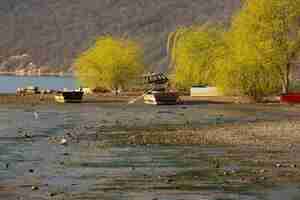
(63, 141)
(36, 115)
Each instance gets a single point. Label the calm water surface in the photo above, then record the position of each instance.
(9, 84)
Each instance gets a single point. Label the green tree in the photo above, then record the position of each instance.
(262, 44)
(111, 63)
(192, 52)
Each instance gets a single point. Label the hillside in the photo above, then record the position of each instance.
(53, 32)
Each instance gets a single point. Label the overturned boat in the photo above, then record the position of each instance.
(69, 97)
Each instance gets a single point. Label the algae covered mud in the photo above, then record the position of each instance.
(103, 151)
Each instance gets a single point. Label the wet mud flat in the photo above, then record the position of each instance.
(46, 99)
(115, 151)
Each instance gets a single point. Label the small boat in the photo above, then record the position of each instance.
(290, 98)
(159, 94)
(69, 97)
(161, 98)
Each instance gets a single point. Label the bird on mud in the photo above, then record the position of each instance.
(36, 115)
(63, 141)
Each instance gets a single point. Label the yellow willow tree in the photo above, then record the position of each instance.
(111, 63)
(262, 43)
(192, 52)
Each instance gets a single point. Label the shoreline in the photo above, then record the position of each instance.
(13, 98)
(46, 99)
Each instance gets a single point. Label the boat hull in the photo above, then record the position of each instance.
(290, 98)
(69, 97)
(164, 98)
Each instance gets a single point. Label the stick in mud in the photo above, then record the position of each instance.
(140, 97)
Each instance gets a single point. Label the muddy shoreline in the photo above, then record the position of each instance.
(199, 150)
(265, 152)
(42, 99)
(260, 133)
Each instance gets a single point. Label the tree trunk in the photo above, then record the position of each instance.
(286, 82)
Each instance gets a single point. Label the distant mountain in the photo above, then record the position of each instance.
(53, 32)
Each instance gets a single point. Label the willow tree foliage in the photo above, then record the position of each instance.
(192, 52)
(111, 63)
(262, 43)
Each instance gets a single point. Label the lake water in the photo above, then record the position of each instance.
(9, 84)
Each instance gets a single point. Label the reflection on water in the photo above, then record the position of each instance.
(89, 169)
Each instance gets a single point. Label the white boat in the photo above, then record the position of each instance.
(161, 98)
